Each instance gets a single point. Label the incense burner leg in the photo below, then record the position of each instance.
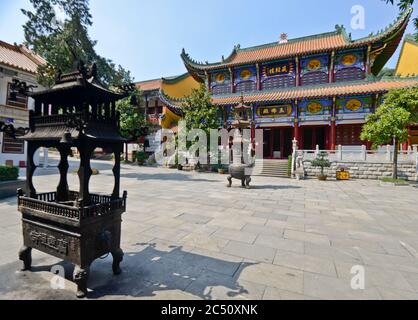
(243, 182)
(229, 182)
(117, 259)
(247, 182)
(25, 254)
(80, 277)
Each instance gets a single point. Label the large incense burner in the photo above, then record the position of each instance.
(237, 169)
(76, 226)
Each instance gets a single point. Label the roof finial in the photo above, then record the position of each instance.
(283, 38)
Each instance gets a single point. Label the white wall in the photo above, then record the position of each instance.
(5, 78)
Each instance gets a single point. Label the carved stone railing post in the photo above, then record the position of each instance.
(388, 153)
(316, 151)
(294, 155)
(363, 153)
(340, 152)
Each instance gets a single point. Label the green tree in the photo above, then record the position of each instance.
(404, 5)
(63, 43)
(391, 120)
(199, 112)
(131, 118)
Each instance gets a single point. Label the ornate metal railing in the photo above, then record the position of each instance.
(50, 207)
(54, 119)
(62, 119)
(46, 202)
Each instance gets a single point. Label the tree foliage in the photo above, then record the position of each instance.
(392, 117)
(63, 43)
(391, 120)
(131, 118)
(404, 5)
(199, 112)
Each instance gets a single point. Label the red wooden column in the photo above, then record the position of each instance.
(231, 73)
(258, 77)
(296, 131)
(331, 67)
(333, 134)
(333, 129)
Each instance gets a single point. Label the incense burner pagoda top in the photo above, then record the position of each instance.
(77, 226)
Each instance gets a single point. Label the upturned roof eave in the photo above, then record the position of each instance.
(393, 29)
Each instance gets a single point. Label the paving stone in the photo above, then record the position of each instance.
(231, 234)
(329, 288)
(305, 262)
(273, 276)
(263, 230)
(306, 237)
(277, 242)
(277, 294)
(212, 286)
(250, 251)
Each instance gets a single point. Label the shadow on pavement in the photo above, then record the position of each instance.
(144, 274)
(164, 177)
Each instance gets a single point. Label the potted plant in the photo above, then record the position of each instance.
(322, 162)
(221, 169)
(141, 157)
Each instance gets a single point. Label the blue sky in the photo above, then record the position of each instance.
(146, 36)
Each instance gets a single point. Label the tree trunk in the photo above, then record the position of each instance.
(395, 159)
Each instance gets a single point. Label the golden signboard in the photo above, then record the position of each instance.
(279, 111)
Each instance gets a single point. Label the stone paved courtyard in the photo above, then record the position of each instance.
(187, 236)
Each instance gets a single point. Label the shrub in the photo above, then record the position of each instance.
(321, 161)
(8, 173)
(141, 157)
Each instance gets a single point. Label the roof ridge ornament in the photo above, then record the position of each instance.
(283, 38)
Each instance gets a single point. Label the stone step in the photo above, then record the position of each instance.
(271, 168)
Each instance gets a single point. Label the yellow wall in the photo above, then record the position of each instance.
(181, 88)
(408, 60)
(169, 119)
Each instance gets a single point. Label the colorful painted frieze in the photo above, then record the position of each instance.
(245, 79)
(315, 110)
(355, 107)
(221, 82)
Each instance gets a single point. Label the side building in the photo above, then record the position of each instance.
(16, 63)
(160, 110)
